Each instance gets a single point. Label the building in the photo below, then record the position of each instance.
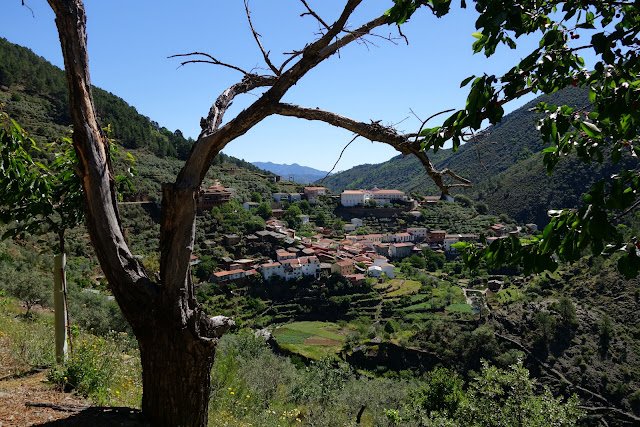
(313, 193)
(280, 197)
(498, 229)
(449, 241)
(380, 269)
(402, 237)
(418, 233)
(350, 198)
(387, 196)
(292, 268)
(215, 195)
(436, 236)
(349, 228)
(228, 276)
(343, 268)
(271, 269)
(400, 250)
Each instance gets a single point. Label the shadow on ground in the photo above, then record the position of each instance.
(103, 417)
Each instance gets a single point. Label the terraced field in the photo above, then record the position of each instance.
(313, 340)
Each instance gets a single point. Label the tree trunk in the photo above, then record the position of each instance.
(177, 340)
(176, 376)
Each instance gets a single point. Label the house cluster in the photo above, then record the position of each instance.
(350, 198)
(311, 194)
(355, 257)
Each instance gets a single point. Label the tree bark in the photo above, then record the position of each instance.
(177, 378)
(177, 340)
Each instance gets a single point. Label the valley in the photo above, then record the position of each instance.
(343, 313)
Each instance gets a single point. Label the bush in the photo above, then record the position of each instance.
(100, 368)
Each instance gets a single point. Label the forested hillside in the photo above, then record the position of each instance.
(504, 163)
(34, 92)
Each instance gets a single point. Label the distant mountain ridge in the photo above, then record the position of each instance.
(301, 174)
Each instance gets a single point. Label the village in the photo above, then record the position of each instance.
(343, 252)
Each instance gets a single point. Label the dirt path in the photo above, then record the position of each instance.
(16, 394)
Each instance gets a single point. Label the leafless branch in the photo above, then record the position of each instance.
(374, 131)
(630, 209)
(216, 136)
(257, 36)
(27, 6)
(424, 122)
(211, 60)
(339, 157)
(293, 54)
(223, 102)
(402, 35)
(314, 14)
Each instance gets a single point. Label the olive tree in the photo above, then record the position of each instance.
(178, 340)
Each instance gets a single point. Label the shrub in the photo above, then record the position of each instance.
(100, 368)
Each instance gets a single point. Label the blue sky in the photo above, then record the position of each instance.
(129, 42)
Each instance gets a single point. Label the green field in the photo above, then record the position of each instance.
(311, 339)
(460, 308)
(421, 306)
(399, 287)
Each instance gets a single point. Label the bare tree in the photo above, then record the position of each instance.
(177, 339)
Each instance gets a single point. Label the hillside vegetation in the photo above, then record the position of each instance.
(504, 163)
(430, 346)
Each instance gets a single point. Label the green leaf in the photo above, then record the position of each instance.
(466, 81)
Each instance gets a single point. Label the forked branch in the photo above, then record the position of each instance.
(223, 102)
(210, 60)
(257, 36)
(374, 131)
(314, 14)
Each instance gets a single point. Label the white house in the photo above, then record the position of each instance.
(387, 196)
(292, 268)
(271, 269)
(450, 240)
(379, 270)
(402, 237)
(225, 276)
(277, 197)
(351, 198)
(349, 227)
(357, 222)
(379, 260)
(419, 233)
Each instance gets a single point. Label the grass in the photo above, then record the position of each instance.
(313, 340)
(104, 369)
(401, 287)
(459, 308)
(419, 297)
(418, 307)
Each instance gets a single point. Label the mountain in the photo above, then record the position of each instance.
(34, 92)
(504, 163)
(301, 174)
